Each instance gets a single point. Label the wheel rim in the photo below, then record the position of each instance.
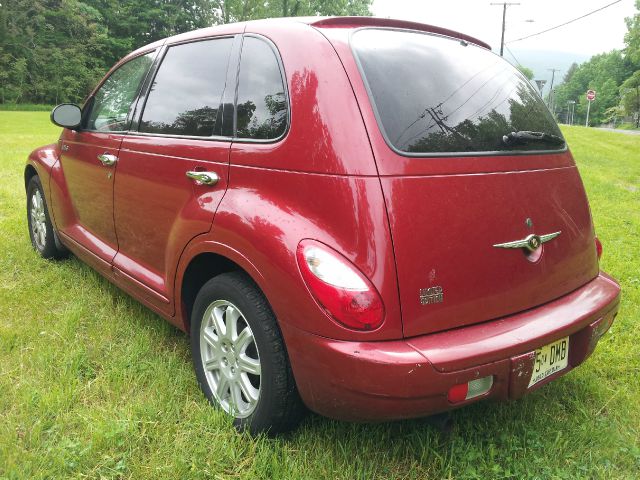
(230, 358)
(38, 220)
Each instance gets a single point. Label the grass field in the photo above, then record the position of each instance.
(25, 107)
(93, 385)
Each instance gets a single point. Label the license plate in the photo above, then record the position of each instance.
(550, 359)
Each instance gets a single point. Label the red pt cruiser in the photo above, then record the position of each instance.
(374, 218)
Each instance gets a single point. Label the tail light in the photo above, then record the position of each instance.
(339, 287)
(598, 247)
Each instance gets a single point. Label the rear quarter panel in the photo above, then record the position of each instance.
(265, 214)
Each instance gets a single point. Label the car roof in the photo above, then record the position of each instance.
(316, 22)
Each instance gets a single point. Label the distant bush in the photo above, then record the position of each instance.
(626, 126)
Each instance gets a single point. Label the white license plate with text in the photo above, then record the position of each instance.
(550, 359)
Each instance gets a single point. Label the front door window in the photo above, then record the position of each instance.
(112, 102)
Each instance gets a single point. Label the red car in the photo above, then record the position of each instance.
(374, 218)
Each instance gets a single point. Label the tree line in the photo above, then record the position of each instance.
(54, 51)
(615, 76)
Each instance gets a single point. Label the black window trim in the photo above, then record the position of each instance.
(285, 85)
(380, 126)
(144, 91)
(142, 100)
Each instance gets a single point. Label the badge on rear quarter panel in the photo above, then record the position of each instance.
(431, 295)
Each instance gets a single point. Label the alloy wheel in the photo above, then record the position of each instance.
(38, 220)
(230, 358)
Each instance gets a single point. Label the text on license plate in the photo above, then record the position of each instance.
(550, 359)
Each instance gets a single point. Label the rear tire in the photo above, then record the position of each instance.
(41, 232)
(239, 356)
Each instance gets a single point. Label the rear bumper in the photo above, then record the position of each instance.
(368, 381)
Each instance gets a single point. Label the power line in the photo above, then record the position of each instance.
(512, 55)
(439, 105)
(565, 23)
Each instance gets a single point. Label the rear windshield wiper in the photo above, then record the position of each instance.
(523, 137)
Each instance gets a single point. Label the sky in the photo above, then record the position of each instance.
(597, 33)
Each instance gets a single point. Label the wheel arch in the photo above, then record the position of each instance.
(39, 163)
(199, 264)
(29, 172)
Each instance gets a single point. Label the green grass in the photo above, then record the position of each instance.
(93, 385)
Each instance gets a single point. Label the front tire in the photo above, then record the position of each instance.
(41, 232)
(239, 356)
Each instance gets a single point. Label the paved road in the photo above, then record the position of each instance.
(619, 130)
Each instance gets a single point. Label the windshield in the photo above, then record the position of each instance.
(435, 94)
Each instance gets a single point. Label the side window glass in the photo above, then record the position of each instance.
(262, 103)
(186, 93)
(111, 103)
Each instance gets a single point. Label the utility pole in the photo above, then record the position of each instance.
(553, 74)
(570, 104)
(586, 123)
(504, 18)
(571, 107)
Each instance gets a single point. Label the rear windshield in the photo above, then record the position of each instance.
(436, 94)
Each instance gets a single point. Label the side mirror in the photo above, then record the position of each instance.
(67, 115)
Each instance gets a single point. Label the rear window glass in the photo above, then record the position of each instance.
(435, 94)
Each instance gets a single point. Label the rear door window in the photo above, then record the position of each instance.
(435, 94)
(186, 94)
(262, 111)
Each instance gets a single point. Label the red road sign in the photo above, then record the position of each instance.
(591, 95)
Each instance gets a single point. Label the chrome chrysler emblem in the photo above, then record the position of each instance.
(530, 242)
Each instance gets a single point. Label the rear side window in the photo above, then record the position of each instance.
(436, 94)
(262, 103)
(186, 93)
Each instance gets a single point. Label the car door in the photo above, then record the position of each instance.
(172, 171)
(89, 161)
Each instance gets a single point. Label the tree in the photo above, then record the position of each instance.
(611, 115)
(632, 37)
(570, 72)
(55, 51)
(603, 73)
(131, 24)
(48, 50)
(527, 72)
(239, 10)
(630, 96)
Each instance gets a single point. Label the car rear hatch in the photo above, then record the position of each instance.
(448, 123)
